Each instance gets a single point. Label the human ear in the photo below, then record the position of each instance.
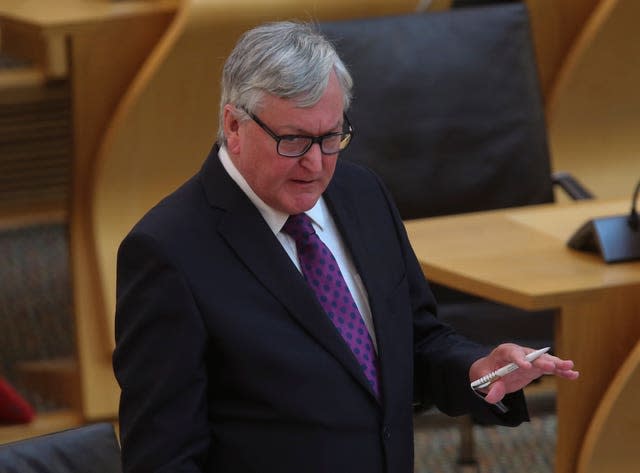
(231, 129)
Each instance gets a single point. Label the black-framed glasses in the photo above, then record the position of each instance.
(294, 146)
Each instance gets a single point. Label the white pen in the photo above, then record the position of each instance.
(487, 379)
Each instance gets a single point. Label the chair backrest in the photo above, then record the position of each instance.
(88, 449)
(447, 108)
(594, 108)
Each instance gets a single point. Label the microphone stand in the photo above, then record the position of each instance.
(616, 238)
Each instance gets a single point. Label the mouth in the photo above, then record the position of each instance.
(303, 181)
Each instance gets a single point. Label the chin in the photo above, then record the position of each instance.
(298, 200)
(301, 205)
(299, 209)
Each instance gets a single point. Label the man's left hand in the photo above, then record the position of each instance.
(509, 352)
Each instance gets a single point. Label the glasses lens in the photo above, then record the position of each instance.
(293, 145)
(331, 144)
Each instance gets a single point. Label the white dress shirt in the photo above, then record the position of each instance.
(324, 226)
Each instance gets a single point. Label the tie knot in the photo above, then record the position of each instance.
(298, 226)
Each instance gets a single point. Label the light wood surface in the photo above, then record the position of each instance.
(44, 423)
(519, 257)
(56, 379)
(555, 25)
(594, 108)
(611, 442)
(39, 29)
(74, 15)
(98, 85)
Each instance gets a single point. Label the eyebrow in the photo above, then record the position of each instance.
(337, 128)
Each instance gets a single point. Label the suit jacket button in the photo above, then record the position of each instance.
(386, 433)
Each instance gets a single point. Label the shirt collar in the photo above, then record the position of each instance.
(319, 213)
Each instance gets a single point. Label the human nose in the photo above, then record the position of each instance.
(312, 159)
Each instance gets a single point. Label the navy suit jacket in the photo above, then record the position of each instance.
(227, 362)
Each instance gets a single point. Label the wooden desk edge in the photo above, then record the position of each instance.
(83, 14)
(434, 274)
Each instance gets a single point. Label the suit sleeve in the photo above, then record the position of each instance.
(442, 357)
(159, 364)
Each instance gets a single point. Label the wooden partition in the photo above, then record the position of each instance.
(594, 108)
(96, 48)
(555, 25)
(611, 442)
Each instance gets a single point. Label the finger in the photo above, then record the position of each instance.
(568, 374)
(544, 361)
(550, 360)
(555, 366)
(565, 364)
(496, 392)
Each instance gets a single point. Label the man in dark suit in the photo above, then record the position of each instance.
(271, 314)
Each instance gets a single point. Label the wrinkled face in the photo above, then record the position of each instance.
(290, 185)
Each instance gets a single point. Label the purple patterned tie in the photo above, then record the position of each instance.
(323, 275)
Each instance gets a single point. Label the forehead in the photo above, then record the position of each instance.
(285, 116)
(333, 95)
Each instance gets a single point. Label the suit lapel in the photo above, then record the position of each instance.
(352, 229)
(246, 232)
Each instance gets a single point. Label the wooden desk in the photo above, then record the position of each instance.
(39, 29)
(98, 46)
(519, 257)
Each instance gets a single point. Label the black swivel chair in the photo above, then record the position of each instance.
(88, 449)
(448, 111)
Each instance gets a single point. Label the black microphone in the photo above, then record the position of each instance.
(633, 216)
(616, 238)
